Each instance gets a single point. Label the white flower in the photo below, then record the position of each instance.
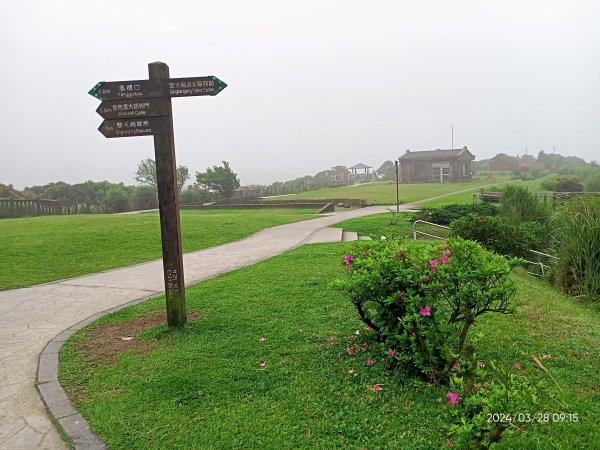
(383, 238)
(357, 332)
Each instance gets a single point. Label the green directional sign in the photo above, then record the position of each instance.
(172, 87)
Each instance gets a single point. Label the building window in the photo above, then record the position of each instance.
(466, 172)
(419, 170)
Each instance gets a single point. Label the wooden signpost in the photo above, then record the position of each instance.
(143, 108)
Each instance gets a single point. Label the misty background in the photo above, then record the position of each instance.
(311, 84)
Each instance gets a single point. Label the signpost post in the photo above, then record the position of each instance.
(397, 191)
(143, 108)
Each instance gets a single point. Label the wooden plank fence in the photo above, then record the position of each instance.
(29, 207)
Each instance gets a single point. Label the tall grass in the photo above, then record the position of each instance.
(519, 205)
(577, 243)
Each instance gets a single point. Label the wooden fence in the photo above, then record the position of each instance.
(29, 207)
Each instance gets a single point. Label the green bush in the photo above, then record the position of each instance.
(592, 184)
(501, 236)
(447, 213)
(576, 234)
(421, 298)
(195, 195)
(563, 184)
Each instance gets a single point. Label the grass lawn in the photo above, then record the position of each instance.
(205, 388)
(42, 249)
(384, 192)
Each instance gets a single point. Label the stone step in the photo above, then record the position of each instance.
(325, 235)
(365, 238)
(349, 236)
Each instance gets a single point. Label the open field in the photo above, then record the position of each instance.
(42, 249)
(205, 388)
(384, 192)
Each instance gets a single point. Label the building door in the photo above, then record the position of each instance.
(440, 172)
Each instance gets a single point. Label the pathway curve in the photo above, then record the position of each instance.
(31, 317)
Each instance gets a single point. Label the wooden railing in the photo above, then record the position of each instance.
(29, 207)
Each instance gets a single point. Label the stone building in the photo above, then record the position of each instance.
(437, 166)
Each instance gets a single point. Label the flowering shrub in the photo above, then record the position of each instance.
(485, 401)
(421, 298)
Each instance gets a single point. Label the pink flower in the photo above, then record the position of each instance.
(432, 264)
(481, 364)
(263, 364)
(449, 443)
(427, 280)
(352, 337)
(474, 389)
(453, 396)
(370, 362)
(444, 259)
(391, 352)
(446, 251)
(263, 339)
(348, 259)
(377, 387)
(347, 267)
(455, 366)
(350, 351)
(548, 356)
(517, 366)
(425, 311)
(485, 385)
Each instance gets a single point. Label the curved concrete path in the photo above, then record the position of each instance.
(31, 317)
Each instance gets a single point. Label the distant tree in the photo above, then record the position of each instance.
(8, 191)
(143, 197)
(60, 191)
(387, 171)
(146, 174)
(116, 199)
(219, 179)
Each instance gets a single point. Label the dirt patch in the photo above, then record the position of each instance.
(103, 344)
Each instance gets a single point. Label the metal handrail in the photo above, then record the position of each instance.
(415, 232)
(540, 272)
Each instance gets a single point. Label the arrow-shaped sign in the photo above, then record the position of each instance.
(133, 109)
(172, 87)
(134, 127)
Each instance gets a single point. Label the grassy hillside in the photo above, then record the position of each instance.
(384, 192)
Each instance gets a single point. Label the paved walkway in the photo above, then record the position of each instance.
(31, 317)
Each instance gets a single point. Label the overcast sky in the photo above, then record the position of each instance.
(312, 84)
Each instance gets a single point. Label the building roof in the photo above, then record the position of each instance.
(360, 166)
(438, 154)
